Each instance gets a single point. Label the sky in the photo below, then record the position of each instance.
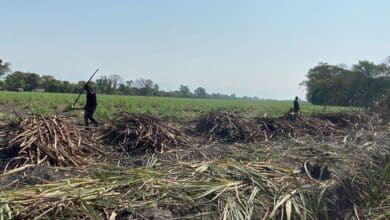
(250, 48)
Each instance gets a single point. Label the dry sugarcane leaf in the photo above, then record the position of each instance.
(139, 133)
(54, 140)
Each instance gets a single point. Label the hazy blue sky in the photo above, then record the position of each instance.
(256, 48)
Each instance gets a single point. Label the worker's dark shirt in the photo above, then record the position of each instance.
(296, 106)
(91, 98)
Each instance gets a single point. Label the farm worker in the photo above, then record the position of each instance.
(90, 106)
(296, 107)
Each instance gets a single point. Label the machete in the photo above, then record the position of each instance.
(78, 97)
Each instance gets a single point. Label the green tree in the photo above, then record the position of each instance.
(116, 81)
(371, 87)
(200, 92)
(129, 90)
(50, 84)
(322, 83)
(146, 87)
(362, 85)
(104, 85)
(5, 67)
(184, 91)
(14, 81)
(32, 81)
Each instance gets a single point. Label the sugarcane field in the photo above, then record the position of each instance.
(204, 110)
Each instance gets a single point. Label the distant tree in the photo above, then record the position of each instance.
(362, 85)
(200, 92)
(51, 84)
(129, 88)
(155, 89)
(116, 81)
(80, 84)
(14, 81)
(113, 84)
(109, 84)
(4, 68)
(370, 69)
(322, 83)
(146, 87)
(104, 85)
(184, 91)
(129, 83)
(387, 61)
(32, 81)
(68, 87)
(373, 74)
(25, 81)
(342, 66)
(122, 89)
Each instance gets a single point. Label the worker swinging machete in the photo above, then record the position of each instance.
(90, 106)
(78, 97)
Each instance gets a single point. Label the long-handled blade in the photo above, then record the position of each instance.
(78, 97)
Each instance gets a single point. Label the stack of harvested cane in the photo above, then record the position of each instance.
(294, 125)
(50, 140)
(352, 120)
(140, 133)
(223, 126)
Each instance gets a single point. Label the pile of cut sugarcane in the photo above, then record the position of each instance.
(342, 177)
(223, 126)
(50, 140)
(140, 133)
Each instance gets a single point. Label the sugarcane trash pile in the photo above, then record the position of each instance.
(318, 124)
(356, 121)
(307, 178)
(140, 133)
(294, 125)
(223, 126)
(50, 140)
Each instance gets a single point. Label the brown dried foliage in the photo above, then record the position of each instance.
(51, 140)
(140, 133)
(222, 126)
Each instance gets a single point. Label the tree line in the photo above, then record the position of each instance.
(113, 84)
(364, 84)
